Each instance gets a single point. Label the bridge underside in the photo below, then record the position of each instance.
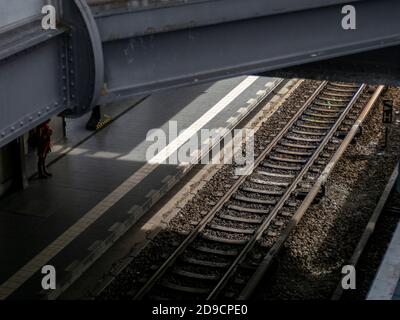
(104, 51)
(373, 67)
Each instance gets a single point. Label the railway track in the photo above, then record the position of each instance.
(209, 260)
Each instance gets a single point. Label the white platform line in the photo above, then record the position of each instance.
(34, 265)
(207, 117)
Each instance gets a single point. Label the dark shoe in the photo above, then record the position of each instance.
(41, 174)
(48, 174)
(94, 119)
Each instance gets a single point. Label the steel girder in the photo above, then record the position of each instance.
(209, 40)
(43, 73)
(30, 80)
(17, 12)
(107, 50)
(122, 19)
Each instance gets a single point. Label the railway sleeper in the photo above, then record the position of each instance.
(194, 275)
(294, 153)
(318, 121)
(322, 115)
(248, 210)
(270, 183)
(289, 160)
(205, 263)
(240, 219)
(173, 286)
(325, 110)
(254, 201)
(308, 133)
(230, 229)
(341, 89)
(296, 145)
(338, 93)
(325, 96)
(332, 102)
(224, 240)
(309, 126)
(329, 105)
(281, 167)
(263, 192)
(205, 249)
(343, 86)
(314, 140)
(276, 175)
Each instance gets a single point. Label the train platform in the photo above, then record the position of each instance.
(102, 183)
(386, 285)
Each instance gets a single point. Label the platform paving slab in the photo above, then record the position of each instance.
(84, 179)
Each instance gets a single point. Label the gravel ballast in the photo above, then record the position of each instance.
(309, 266)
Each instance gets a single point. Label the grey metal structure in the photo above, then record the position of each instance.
(105, 50)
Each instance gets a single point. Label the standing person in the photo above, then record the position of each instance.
(44, 133)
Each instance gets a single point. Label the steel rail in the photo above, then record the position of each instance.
(265, 264)
(284, 198)
(278, 85)
(200, 227)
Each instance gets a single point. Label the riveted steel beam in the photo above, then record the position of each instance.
(216, 49)
(31, 88)
(374, 67)
(121, 19)
(109, 50)
(44, 72)
(84, 54)
(18, 12)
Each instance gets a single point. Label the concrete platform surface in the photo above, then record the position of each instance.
(103, 184)
(386, 285)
